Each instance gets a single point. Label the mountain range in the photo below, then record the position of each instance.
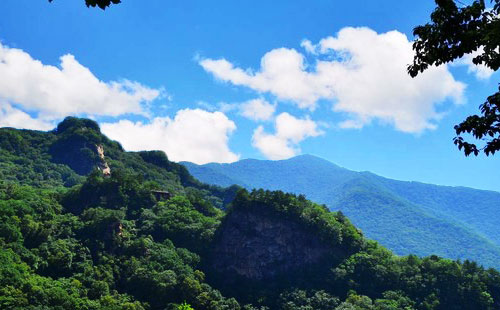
(406, 217)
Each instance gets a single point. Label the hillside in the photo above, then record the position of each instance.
(407, 217)
(64, 156)
(105, 240)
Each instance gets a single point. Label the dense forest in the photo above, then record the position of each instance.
(73, 237)
(452, 222)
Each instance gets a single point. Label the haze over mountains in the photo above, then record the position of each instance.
(407, 217)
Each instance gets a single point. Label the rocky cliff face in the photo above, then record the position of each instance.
(80, 145)
(258, 247)
(103, 165)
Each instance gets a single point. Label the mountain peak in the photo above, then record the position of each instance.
(71, 123)
(306, 156)
(310, 158)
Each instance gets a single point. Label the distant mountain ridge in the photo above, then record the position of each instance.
(407, 217)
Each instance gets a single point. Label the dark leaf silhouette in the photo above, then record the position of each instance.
(454, 31)
(103, 4)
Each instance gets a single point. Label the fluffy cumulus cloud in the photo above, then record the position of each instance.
(362, 73)
(257, 110)
(289, 132)
(192, 135)
(52, 92)
(283, 73)
(12, 117)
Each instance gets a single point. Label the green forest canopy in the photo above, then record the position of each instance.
(108, 243)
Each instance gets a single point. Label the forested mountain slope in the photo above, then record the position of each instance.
(407, 217)
(478, 209)
(75, 235)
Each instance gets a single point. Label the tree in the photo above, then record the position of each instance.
(103, 4)
(454, 31)
(184, 306)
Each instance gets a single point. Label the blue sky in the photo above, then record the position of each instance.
(220, 81)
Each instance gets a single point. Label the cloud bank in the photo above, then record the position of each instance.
(12, 117)
(192, 135)
(362, 73)
(50, 92)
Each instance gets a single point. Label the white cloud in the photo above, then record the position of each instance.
(192, 135)
(12, 117)
(206, 106)
(69, 89)
(257, 110)
(308, 46)
(225, 107)
(362, 73)
(481, 72)
(282, 73)
(289, 132)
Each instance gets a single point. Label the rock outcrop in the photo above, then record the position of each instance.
(259, 247)
(76, 145)
(103, 165)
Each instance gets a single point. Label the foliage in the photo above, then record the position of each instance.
(64, 156)
(107, 243)
(307, 300)
(103, 4)
(94, 253)
(333, 228)
(24, 158)
(383, 280)
(184, 306)
(454, 32)
(453, 222)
